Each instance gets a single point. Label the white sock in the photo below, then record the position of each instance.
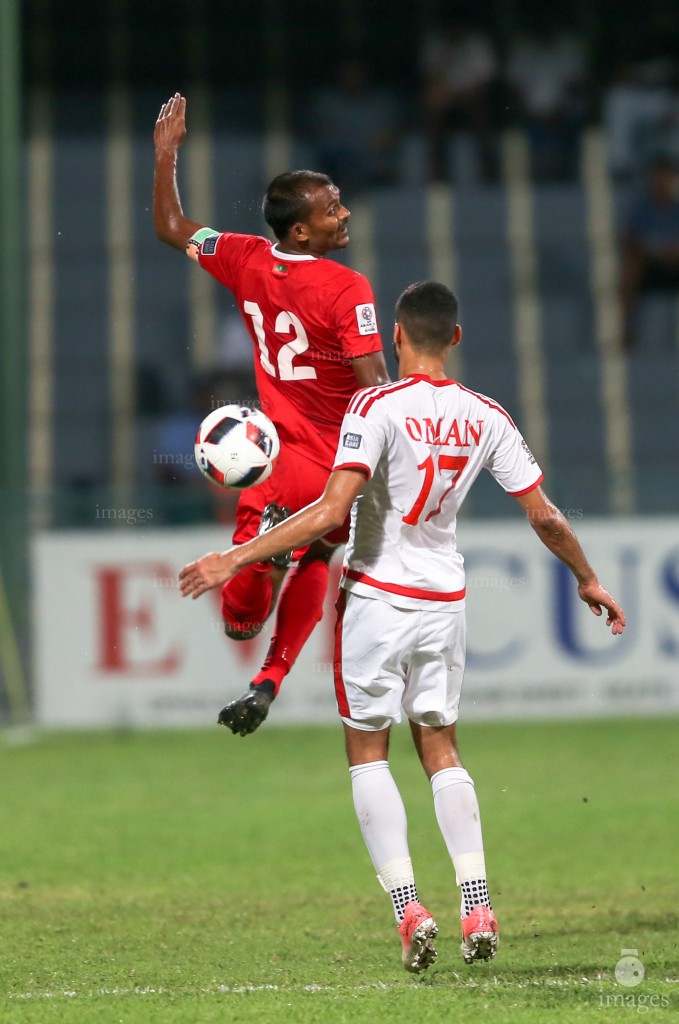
(382, 818)
(380, 812)
(459, 818)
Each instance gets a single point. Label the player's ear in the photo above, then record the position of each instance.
(457, 336)
(300, 232)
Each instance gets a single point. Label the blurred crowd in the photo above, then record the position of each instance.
(429, 100)
(471, 86)
(470, 89)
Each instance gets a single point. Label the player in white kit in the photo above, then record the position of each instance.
(407, 456)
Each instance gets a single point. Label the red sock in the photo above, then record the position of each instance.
(300, 607)
(246, 599)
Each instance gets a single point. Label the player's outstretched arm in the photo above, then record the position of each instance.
(370, 370)
(556, 533)
(168, 217)
(314, 521)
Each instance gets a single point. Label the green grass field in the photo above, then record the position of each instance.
(195, 877)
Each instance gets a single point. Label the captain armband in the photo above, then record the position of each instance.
(203, 240)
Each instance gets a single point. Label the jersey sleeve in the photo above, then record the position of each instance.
(512, 463)
(356, 319)
(222, 255)
(362, 440)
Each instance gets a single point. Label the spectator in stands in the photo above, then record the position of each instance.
(460, 71)
(546, 73)
(355, 127)
(667, 134)
(641, 115)
(650, 245)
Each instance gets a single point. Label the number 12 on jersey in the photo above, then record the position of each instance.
(285, 322)
(444, 463)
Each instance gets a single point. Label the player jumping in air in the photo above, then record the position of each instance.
(315, 335)
(407, 456)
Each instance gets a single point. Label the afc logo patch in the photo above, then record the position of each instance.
(366, 319)
(352, 440)
(209, 245)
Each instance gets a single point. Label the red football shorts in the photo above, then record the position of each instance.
(295, 482)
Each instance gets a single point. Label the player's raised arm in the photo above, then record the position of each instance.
(168, 217)
(314, 521)
(556, 533)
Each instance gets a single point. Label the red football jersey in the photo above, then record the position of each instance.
(308, 318)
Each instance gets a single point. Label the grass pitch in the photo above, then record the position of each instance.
(193, 877)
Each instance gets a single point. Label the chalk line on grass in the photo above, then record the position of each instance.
(216, 990)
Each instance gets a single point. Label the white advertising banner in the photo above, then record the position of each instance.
(115, 644)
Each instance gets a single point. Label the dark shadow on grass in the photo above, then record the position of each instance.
(610, 924)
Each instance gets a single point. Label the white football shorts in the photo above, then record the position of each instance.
(388, 658)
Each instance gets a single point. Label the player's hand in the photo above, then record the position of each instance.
(598, 598)
(207, 572)
(170, 130)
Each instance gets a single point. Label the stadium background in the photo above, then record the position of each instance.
(112, 342)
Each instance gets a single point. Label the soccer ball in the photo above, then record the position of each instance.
(236, 447)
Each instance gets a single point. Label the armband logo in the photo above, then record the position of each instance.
(352, 440)
(209, 246)
(366, 319)
(198, 243)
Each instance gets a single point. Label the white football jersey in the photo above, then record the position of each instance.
(422, 444)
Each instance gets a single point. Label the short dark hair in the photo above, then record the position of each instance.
(427, 311)
(287, 199)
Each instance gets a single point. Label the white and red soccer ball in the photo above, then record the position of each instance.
(236, 447)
